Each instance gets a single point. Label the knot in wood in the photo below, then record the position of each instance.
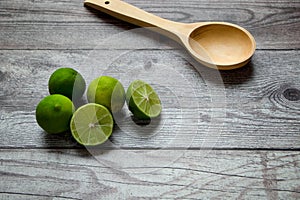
(292, 94)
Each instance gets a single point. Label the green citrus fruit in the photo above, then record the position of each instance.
(107, 91)
(91, 124)
(54, 112)
(68, 82)
(142, 100)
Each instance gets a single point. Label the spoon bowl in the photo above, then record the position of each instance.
(220, 45)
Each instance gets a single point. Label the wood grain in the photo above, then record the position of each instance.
(75, 174)
(261, 109)
(48, 24)
(254, 136)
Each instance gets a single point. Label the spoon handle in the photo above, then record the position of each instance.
(134, 15)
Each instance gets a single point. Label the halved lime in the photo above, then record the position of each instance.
(142, 100)
(91, 124)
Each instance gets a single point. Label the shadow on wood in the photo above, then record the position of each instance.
(237, 76)
(111, 20)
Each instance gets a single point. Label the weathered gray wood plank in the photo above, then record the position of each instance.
(260, 107)
(254, 107)
(75, 174)
(67, 24)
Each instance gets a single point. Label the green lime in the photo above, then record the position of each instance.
(68, 82)
(54, 112)
(107, 91)
(91, 124)
(142, 100)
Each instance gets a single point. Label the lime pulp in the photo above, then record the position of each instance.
(91, 124)
(142, 100)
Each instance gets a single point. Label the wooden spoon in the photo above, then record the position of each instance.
(218, 45)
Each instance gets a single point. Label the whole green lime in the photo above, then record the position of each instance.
(68, 82)
(54, 112)
(107, 91)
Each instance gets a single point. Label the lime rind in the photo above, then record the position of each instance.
(54, 112)
(68, 82)
(107, 91)
(142, 100)
(91, 124)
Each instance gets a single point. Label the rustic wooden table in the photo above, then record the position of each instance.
(227, 135)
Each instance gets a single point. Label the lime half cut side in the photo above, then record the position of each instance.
(142, 100)
(91, 124)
